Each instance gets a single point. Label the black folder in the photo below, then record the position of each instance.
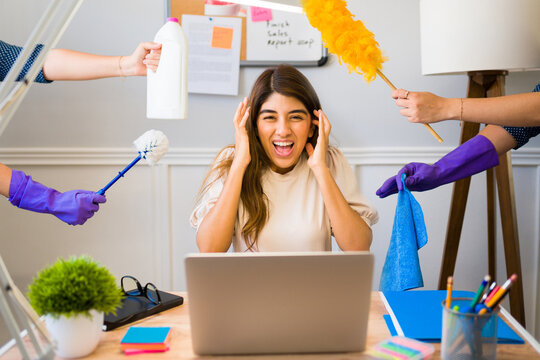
(139, 307)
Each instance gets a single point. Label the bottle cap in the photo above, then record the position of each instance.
(173, 19)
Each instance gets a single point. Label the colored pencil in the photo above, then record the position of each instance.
(480, 291)
(489, 290)
(449, 284)
(497, 298)
(492, 294)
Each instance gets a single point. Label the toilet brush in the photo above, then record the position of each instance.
(151, 145)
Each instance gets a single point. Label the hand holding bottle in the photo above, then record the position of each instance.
(146, 56)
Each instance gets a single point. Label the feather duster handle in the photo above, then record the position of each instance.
(349, 39)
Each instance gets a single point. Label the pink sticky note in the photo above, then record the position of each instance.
(140, 351)
(260, 14)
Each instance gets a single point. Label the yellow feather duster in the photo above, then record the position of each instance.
(347, 38)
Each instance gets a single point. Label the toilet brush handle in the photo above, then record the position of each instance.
(120, 174)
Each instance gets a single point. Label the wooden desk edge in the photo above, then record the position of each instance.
(525, 335)
(377, 331)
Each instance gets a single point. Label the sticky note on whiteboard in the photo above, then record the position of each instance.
(260, 14)
(222, 37)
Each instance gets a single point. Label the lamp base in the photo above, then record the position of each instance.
(487, 84)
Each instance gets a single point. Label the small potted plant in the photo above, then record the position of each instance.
(74, 295)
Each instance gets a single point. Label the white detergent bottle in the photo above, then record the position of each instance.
(166, 89)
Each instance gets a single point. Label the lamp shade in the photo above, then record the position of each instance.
(474, 35)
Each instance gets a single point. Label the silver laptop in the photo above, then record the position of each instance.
(269, 303)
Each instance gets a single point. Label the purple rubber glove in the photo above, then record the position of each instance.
(474, 156)
(73, 207)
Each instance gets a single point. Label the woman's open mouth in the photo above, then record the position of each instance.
(283, 148)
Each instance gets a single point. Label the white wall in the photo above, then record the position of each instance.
(79, 135)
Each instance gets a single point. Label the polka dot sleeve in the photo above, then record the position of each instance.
(523, 134)
(8, 56)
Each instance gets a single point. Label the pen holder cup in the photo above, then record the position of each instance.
(468, 335)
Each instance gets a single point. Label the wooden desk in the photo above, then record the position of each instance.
(178, 319)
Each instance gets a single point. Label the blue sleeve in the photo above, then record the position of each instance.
(8, 56)
(522, 135)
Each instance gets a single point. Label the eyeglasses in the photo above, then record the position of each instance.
(132, 287)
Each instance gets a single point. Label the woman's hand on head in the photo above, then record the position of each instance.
(242, 156)
(317, 155)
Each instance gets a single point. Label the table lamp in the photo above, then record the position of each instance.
(484, 39)
(460, 36)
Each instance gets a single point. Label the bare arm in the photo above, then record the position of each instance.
(499, 137)
(5, 180)
(510, 110)
(63, 64)
(216, 230)
(350, 230)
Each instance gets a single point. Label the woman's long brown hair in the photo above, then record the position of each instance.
(287, 81)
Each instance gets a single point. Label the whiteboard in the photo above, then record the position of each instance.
(288, 37)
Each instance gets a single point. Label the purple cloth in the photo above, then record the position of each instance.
(472, 157)
(73, 207)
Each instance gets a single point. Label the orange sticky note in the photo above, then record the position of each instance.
(222, 37)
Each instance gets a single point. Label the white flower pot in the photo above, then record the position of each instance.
(75, 336)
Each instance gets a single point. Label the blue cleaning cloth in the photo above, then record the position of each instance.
(401, 270)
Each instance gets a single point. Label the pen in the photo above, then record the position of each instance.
(449, 284)
(497, 298)
(491, 287)
(480, 290)
(492, 294)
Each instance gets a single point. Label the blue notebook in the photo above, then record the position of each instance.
(419, 315)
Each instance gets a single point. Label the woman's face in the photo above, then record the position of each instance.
(283, 127)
